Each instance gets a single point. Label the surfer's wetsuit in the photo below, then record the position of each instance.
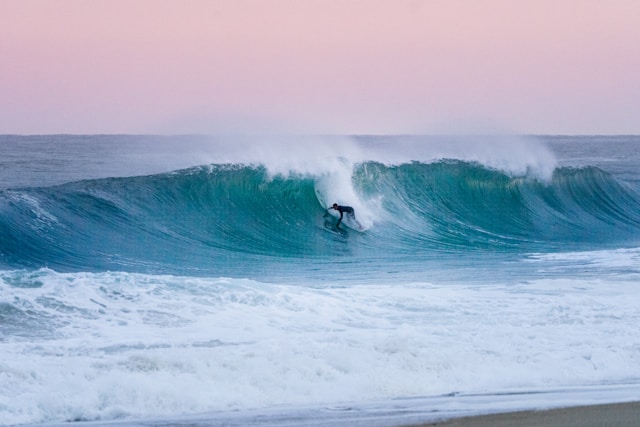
(344, 209)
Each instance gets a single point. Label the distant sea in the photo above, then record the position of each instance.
(155, 280)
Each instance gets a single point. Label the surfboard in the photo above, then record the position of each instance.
(351, 223)
(331, 221)
(330, 225)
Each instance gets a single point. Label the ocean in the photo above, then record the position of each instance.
(196, 280)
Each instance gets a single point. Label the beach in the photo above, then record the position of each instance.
(619, 415)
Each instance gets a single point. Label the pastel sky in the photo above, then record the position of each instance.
(320, 66)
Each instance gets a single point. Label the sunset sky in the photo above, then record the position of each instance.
(320, 66)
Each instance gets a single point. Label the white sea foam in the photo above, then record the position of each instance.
(517, 155)
(110, 345)
(337, 187)
(627, 259)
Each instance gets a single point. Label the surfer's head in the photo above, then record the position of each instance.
(335, 206)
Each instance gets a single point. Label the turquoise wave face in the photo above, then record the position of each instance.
(463, 206)
(235, 219)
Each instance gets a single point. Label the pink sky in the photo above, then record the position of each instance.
(320, 66)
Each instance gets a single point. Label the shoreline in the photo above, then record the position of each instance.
(626, 414)
(599, 415)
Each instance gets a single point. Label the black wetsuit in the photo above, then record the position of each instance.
(345, 209)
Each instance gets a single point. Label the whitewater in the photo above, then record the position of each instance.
(181, 280)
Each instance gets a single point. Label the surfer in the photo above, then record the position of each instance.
(344, 209)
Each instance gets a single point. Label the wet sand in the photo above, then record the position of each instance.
(610, 415)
